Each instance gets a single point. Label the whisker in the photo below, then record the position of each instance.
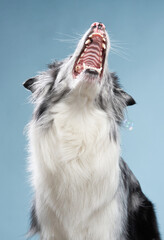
(118, 48)
(65, 40)
(67, 35)
(120, 53)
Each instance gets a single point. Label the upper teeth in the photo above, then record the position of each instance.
(88, 41)
(99, 70)
(103, 45)
(96, 34)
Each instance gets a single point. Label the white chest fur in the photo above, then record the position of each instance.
(75, 173)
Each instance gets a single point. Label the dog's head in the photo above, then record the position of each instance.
(85, 74)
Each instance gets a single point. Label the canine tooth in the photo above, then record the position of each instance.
(77, 68)
(90, 36)
(104, 39)
(94, 68)
(82, 55)
(99, 70)
(88, 41)
(84, 66)
(103, 45)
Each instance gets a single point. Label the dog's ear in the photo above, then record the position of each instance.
(120, 93)
(29, 84)
(127, 98)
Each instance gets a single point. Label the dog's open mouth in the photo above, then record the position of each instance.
(92, 56)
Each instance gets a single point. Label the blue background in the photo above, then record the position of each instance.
(35, 32)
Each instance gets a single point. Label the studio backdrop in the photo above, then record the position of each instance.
(36, 32)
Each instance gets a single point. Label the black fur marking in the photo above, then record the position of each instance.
(61, 96)
(55, 65)
(113, 136)
(55, 68)
(142, 223)
(43, 107)
(100, 100)
(34, 226)
(51, 99)
(115, 80)
(61, 79)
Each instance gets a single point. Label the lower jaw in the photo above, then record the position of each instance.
(90, 72)
(86, 76)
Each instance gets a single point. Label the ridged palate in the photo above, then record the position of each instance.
(93, 60)
(92, 55)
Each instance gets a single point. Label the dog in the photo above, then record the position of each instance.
(83, 188)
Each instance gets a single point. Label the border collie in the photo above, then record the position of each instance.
(83, 188)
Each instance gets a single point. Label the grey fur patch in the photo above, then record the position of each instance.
(50, 100)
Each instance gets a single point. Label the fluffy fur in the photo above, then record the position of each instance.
(83, 189)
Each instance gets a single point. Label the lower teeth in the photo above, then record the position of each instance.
(93, 68)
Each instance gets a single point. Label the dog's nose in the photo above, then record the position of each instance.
(98, 25)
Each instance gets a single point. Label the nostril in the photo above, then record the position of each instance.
(101, 26)
(94, 24)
